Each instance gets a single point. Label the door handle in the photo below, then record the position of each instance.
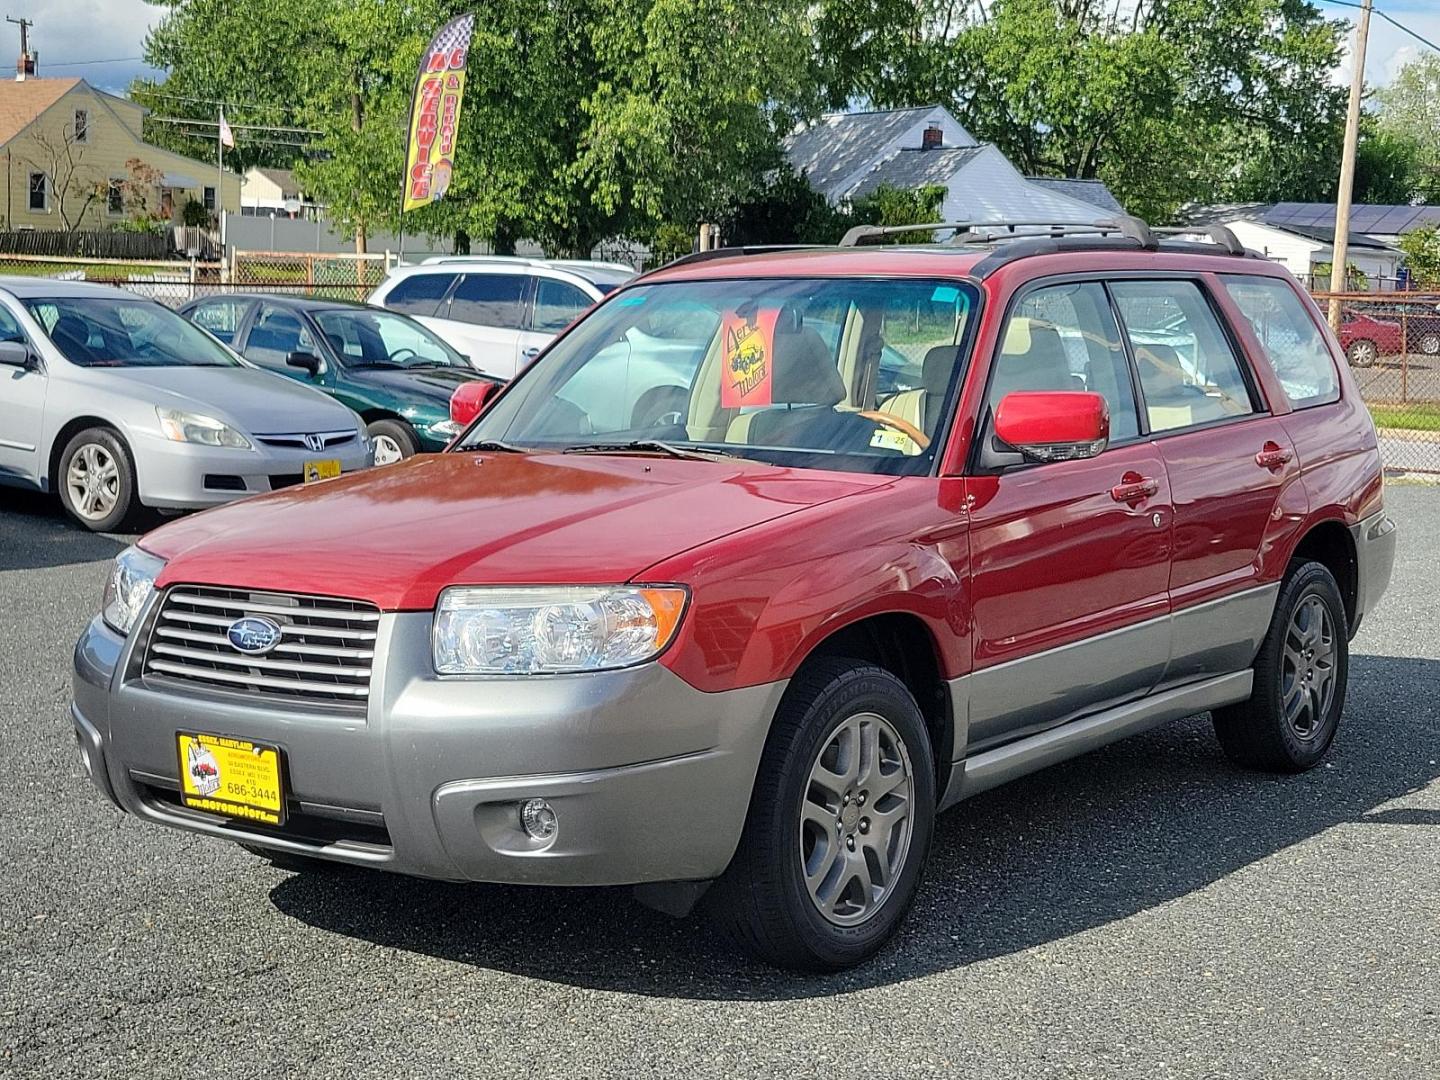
(531, 353)
(1273, 456)
(1134, 488)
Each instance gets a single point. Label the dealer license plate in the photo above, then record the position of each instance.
(235, 778)
(321, 470)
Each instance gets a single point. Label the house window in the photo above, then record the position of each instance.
(115, 197)
(210, 199)
(39, 192)
(82, 125)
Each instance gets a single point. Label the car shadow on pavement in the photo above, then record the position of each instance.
(1074, 847)
(36, 532)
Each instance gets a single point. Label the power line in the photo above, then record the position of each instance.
(87, 63)
(1393, 22)
(148, 92)
(236, 127)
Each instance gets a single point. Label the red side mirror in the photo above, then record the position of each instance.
(1054, 425)
(469, 400)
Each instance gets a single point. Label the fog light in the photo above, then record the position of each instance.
(538, 818)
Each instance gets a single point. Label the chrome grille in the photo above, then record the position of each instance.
(300, 440)
(325, 652)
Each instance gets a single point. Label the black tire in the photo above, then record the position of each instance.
(393, 433)
(99, 443)
(1257, 733)
(1362, 353)
(762, 899)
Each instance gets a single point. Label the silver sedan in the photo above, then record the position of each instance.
(115, 402)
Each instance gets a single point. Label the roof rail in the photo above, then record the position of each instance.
(1221, 234)
(968, 231)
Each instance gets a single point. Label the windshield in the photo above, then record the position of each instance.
(815, 373)
(383, 339)
(103, 331)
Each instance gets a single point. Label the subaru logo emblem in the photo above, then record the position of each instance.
(315, 442)
(253, 635)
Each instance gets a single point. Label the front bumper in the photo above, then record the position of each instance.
(186, 476)
(1374, 562)
(650, 778)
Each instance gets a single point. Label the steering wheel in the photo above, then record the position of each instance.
(395, 356)
(909, 430)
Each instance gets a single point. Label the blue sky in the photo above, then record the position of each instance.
(68, 31)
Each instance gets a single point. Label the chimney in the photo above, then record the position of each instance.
(933, 139)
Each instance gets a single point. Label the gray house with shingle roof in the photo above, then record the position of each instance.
(847, 156)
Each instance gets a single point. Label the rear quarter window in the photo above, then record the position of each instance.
(1292, 342)
(419, 294)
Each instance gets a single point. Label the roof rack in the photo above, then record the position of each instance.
(967, 232)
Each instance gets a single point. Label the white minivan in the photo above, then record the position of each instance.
(498, 311)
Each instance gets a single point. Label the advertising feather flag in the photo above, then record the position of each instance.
(435, 113)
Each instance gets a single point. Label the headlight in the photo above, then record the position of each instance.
(547, 630)
(131, 580)
(182, 426)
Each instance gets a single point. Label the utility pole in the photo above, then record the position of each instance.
(26, 66)
(1339, 253)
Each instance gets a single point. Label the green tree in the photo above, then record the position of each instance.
(1409, 108)
(1422, 255)
(1165, 100)
(1388, 167)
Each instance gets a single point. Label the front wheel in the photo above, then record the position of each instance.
(1429, 343)
(97, 479)
(839, 825)
(393, 441)
(1301, 674)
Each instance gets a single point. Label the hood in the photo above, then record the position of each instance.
(255, 401)
(431, 385)
(398, 535)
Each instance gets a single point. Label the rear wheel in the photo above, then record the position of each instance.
(839, 825)
(393, 441)
(97, 479)
(1362, 353)
(1300, 679)
(1429, 343)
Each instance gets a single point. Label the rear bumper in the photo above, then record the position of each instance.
(1374, 561)
(650, 778)
(173, 475)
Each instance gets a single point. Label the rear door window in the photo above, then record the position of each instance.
(490, 300)
(419, 294)
(1292, 342)
(221, 317)
(1189, 374)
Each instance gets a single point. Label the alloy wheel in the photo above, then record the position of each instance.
(1430, 344)
(1363, 353)
(387, 450)
(1307, 677)
(93, 482)
(855, 820)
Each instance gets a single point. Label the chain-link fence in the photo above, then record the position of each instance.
(177, 282)
(1392, 341)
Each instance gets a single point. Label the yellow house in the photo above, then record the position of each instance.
(75, 158)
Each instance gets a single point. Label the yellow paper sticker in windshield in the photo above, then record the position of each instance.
(748, 359)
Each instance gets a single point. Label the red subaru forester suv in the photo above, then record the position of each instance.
(767, 560)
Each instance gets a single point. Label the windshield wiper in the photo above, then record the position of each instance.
(495, 446)
(650, 446)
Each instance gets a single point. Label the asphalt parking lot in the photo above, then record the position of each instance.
(1147, 911)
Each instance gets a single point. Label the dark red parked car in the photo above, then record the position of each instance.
(918, 521)
(1365, 338)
